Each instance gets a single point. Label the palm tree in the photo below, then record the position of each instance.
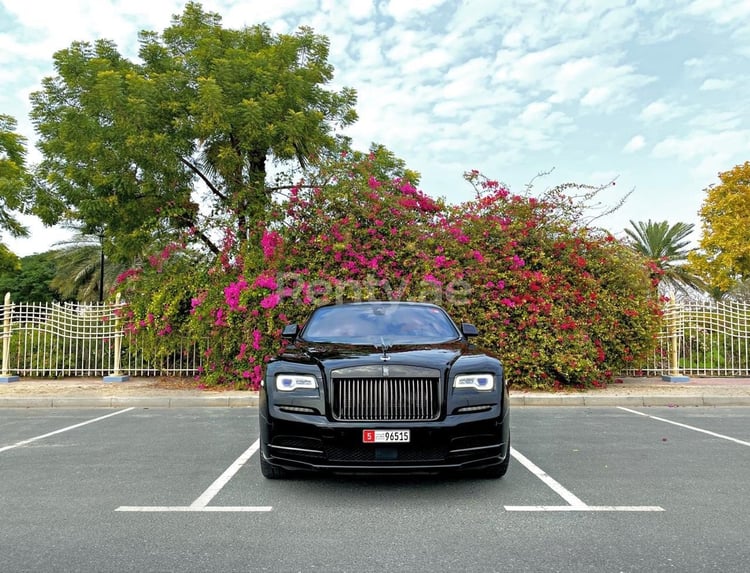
(83, 272)
(666, 247)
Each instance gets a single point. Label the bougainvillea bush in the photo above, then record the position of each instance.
(563, 305)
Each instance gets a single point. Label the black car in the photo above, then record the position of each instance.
(383, 386)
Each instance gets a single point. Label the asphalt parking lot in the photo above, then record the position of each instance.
(179, 489)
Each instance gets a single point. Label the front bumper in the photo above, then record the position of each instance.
(462, 442)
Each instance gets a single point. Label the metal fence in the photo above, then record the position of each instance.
(57, 340)
(52, 340)
(702, 338)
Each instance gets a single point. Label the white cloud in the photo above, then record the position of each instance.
(360, 9)
(508, 87)
(721, 11)
(707, 152)
(636, 143)
(661, 111)
(401, 10)
(713, 84)
(716, 120)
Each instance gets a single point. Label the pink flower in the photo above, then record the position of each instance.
(256, 339)
(127, 274)
(243, 349)
(219, 314)
(407, 188)
(270, 241)
(270, 301)
(232, 293)
(517, 262)
(196, 302)
(265, 281)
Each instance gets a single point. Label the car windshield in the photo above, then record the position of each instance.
(380, 323)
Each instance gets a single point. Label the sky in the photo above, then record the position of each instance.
(651, 94)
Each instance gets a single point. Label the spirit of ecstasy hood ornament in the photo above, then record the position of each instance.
(385, 347)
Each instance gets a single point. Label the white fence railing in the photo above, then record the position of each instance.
(57, 340)
(702, 338)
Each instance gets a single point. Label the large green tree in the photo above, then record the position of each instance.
(724, 254)
(31, 281)
(13, 186)
(179, 143)
(667, 248)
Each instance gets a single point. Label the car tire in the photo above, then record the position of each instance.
(497, 471)
(270, 471)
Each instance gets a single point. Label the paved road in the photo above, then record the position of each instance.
(590, 489)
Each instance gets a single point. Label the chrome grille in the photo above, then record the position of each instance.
(386, 399)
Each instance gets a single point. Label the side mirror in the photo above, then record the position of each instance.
(469, 330)
(290, 331)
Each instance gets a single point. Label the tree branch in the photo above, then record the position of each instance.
(205, 179)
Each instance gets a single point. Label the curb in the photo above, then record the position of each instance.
(130, 402)
(631, 401)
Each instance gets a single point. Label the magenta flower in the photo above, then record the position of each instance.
(266, 281)
(517, 262)
(256, 339)
(243, 349)
(271, 301)
(270, 241)
(232, 293)
(219, 314)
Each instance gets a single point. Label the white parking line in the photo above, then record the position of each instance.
(575, 503)
(714, 434)
(60, 431)
(224, 478)
(551, 483)
(201, 504)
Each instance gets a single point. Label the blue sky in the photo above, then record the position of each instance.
(654, 93)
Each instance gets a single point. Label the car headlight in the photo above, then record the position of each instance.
(289, 382)
(480, 382)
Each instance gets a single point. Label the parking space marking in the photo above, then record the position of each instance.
(224, 478)
(60, 431)
(714, 434)
(201, 504)
(548, 480)
(574, 502)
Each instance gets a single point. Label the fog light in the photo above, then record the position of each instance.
(467, 409)
(298, 409)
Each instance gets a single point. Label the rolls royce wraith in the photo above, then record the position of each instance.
(383, 387)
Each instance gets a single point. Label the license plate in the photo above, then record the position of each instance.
(385, 436)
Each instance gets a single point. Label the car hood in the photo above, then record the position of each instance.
(334, 356)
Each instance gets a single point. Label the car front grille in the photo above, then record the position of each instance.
(386, 399)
